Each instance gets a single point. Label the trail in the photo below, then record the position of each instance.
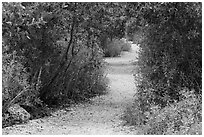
(100, 117)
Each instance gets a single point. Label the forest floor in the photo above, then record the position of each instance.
(101, 116)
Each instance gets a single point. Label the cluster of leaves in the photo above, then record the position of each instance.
(170, 60)
(52, 52)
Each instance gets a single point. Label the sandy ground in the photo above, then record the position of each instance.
(100, 117)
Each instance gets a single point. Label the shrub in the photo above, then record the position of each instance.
(113, 48)
(170, 54)
(177, 118)
(27, 47)
(180, 118)
(83, 79)
(15, 85)
(44, 70)
(116, 46)
(170, 59)
(125, 45)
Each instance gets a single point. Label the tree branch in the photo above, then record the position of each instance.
(44, 90)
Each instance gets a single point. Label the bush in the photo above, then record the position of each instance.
(38, 70)
(171, 55)
(115, 47)
(15, 85)
(180, 118)
(83, 79)
(27, 47)
(170, 60)
(125, 45)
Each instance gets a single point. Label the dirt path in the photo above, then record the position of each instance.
(102, 116)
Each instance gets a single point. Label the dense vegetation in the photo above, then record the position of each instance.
(53, 52)
(169, 77)
(53, 55)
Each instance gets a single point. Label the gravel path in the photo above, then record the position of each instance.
(102, 116)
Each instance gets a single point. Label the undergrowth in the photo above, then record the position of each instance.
(180, 118)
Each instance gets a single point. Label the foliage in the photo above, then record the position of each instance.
(15, 82)
(115, 47)
(125, 45)
(52, 52)
(181, 118)
(171, 51)
(24, 37)
(170, 60)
